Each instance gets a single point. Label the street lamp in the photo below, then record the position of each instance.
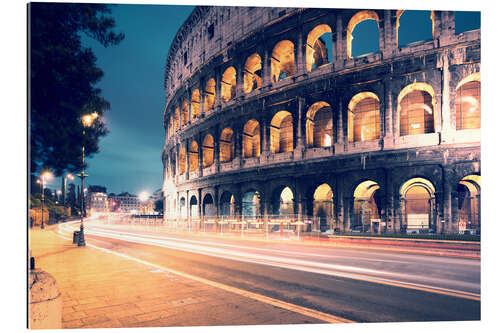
(45, 176)
(87, 121)
(143, 197)
(65, 181)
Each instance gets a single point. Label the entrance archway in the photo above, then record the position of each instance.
(193, 207)
(226, 205)
(323, 207)
(283, 202)
(208, 206)
(418, 205)
(367, 205)
(469, 204)
(251, 204)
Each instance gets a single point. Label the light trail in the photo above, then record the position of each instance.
(351, 272)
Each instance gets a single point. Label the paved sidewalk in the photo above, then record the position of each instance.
(100, 289)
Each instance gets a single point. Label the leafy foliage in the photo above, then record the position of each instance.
(62, 78)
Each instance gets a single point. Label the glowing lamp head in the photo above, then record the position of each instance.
(88, 119)
(143, 196)
(47, 175)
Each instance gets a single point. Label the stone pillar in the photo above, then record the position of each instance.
(340, 43)
(239, 79)
(217, 149)
(266, 67)
(339, 204)
(389, 35)
(202, 97)
(300, 122)
(447, 132)
(45, 301)
(200, 205)
(301, 63)
(200, 156)
(264, 135)
(190, 117)
(218, 85)
(186, 145)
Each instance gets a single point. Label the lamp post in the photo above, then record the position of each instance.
(87, 121)
(65, 181)
(45, 176)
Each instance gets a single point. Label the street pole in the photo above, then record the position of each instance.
(81, 236)
(43, 199)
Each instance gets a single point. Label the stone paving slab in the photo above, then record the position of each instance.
(100, 289)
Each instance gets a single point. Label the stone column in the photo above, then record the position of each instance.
(218, 83)
(340, 43)
(447, 132)
(239, 79)
(189, 106)
(217, 149)
(200, 156)
(389, 35)
(301, 63)
(266, 67)
(300, 122)
(264, 134)
(186, 145)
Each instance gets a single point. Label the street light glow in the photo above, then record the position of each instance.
(88, 119)
(143, 196)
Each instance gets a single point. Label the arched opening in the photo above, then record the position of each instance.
(281, 138)
(319, 125)
(193, 207)
(195, 104)
(209, 209)
(363, 123)
(282, 61)
(185, 112)
(367, 207)
(252, 76)
(209, 95)
(226, 145)
(418, 205)
(228, 84)
(323, 207)
(469, 204)
(208, 150)
(171, 125)
(414, 26)
(363, 34)
(416, 109)
(183, 208)
(182, 161)
(282, 202)
(176, 119)
(467, 21)
(193, 156)
(468, 103)
(318, 47)
(251, 204)
(227, 205)
(251, 139)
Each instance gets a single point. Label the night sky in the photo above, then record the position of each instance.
(130, 155)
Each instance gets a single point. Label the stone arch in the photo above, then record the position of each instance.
(183, 207)
(228, 84)
(319, 125)
(251, 203)
(426, 29)
(363, 122)
(251, 139)
(283, 201)
(227, 205)
(193, 206)
(355, 20)
(323, 207)
(182, 161)
(195, 104)
(193, 156)
(209, 95)
(281, 136)
(185, 112)
(208, 150)
(226, 145)
(282, 61)
(469, 204)
(416, 109)
(209, 209)
(316, 47)
(468, 102)
(177, 118)
(367, 206)
(417, 205)
(252, 76)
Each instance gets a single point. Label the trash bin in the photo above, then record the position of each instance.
(76, 236)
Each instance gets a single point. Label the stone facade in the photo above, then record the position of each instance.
(368, 143)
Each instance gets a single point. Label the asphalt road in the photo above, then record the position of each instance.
(362, 285)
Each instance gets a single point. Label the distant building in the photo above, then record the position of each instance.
(124, 203)
(98, 202)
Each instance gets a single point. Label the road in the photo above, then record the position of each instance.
(361, 285)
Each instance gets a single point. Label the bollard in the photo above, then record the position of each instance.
(76, 236)
(45, 301)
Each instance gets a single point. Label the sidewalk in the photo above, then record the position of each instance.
(100, 289)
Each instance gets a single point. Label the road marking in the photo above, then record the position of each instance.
(261, 298)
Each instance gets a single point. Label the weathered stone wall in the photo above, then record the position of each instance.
(436, 67)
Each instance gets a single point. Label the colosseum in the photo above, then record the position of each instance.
(270, 118)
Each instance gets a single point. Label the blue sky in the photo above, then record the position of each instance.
(130, 155)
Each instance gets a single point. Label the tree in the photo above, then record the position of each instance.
(62, 78)
(97, 189)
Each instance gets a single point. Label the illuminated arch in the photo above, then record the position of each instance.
(281, 138)
(251, 139)
(193, 156)
(323, 207)
(195, 104)
(208, 150)
(357, 18)
(177, 118)
(416, 109)
(282, 202)
(228, 84)
(468, 103)
(185, 112)
(316, 50)
(252, 76)
(182, 161)
(282, 61)
(226, 145)
(209, 95)
(363, 123)
(398, 17)
(366, 205)
(418, 196)
(319, 125)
